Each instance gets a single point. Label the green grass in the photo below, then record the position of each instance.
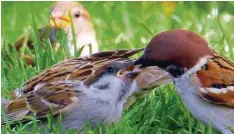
(121, 25)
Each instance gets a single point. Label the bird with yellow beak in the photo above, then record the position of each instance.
(74, 20)
(65, 15)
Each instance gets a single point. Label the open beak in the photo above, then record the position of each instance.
(129, 73)
(60, 22)
(145, 77)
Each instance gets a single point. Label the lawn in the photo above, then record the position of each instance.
(122, 25)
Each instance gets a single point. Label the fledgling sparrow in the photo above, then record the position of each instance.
(85, 37)
(87, 88)
(203, 79)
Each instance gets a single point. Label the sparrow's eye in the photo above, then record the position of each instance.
(77, 14)
(103, 87)
(110, 69)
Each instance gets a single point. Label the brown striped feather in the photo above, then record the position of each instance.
(218, 73)
(49, 87)
(56, 95)
(77, 68)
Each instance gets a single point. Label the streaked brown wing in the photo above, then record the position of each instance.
(54, 97)
(217, 79)
(77, 68)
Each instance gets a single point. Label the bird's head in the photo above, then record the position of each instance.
(119, 79)
(175, 51)
(66, 13)
(106, 83)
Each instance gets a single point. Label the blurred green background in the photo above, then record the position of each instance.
(119, 24)
(127, 25)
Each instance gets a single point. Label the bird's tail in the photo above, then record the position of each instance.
(4, 103)
(14, 111)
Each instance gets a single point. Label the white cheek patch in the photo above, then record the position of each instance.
(109, 94)
(113, 81)
(196, 68)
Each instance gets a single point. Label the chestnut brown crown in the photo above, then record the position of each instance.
(180, 48)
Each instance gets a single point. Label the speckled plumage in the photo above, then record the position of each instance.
(203, 79)
(81, 89)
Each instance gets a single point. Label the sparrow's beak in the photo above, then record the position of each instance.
(146, 62)
(60, 22)
(139, 61)
(145, 77)
(129, 73)
(143, 62)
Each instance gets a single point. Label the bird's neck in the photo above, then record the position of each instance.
(83, 38)
(187, 83)
(128, 91)
(86, 28)
(197, 67)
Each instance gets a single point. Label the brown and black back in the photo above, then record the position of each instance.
(40, 91)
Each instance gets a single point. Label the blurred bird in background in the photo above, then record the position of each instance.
(74, 20)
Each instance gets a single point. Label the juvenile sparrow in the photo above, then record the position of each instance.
(84, 33)
(87, 88)
(203, 79)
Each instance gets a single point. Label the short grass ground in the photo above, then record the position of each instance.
(122, 25)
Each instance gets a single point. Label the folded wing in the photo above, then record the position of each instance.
(52, 98)
(217, 79)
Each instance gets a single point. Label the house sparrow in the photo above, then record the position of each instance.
(87, 88)
(84, 33)
(203, 79)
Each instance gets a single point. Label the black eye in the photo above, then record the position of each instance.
(110, 69)
(77, 14)
(103, 87)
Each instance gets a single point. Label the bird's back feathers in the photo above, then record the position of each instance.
(58, 86)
